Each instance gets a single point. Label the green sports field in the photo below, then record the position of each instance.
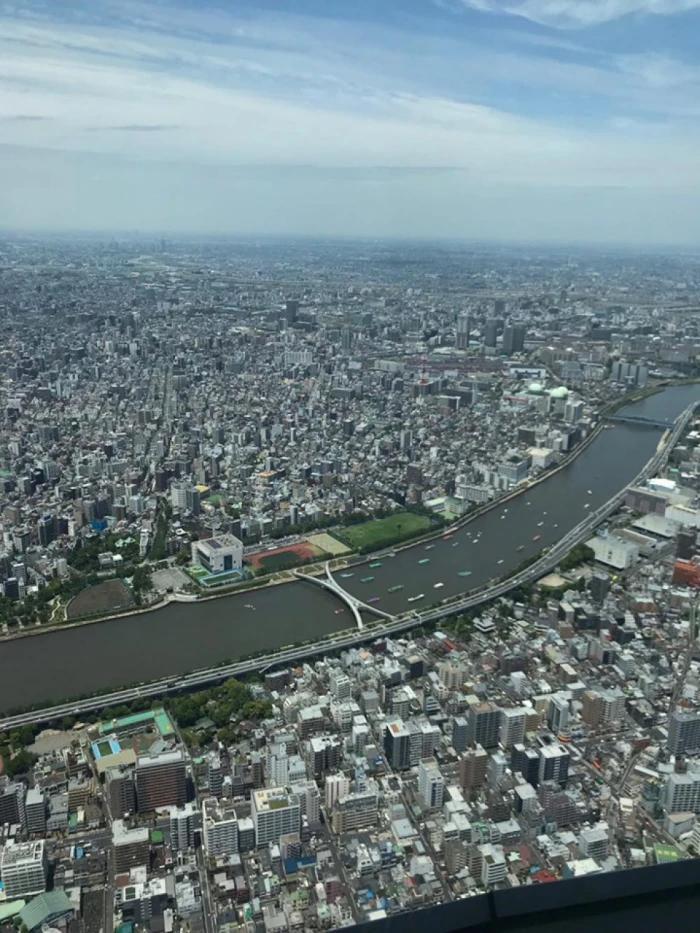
(382, 532)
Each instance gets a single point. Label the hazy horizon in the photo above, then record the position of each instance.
(496, 121)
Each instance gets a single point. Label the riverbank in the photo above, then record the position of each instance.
(281, 578)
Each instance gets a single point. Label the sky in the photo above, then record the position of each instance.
(511, 120)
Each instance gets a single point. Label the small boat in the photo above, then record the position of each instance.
(395, 589)
(456, 544)
(338, 611)
(366, 579)
(424, 560)
(555, 525)
(587, 505)
(527, 503)
(500, 561)
(590, 493)
(502, 517)
(429, 547)
(392, 554)
(447, 537)
(464, 573)
(537, 537)
(522, 547)
(438, 586)
(540, 524)
(346, 576)
(544, 513)
(249, 606)
(374, 599)
(414, 599)
(376, 563)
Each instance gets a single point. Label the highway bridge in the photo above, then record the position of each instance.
(641, 420)
(355, 605)
(199, 679)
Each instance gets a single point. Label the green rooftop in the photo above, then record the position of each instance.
(665, 854)
(159, 716)
(45, 908)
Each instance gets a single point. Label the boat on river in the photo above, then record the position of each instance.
(414, 599)
(464, 573)
(537, 537)
(395, 589)
(346, 576)
(366, 579)
(376, 563)
(424, 560)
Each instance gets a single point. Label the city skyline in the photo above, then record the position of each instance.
(475, 119)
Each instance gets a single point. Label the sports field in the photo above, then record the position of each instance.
(284, 557)
(382, 532)
(328, 543)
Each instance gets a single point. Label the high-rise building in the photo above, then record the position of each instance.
(460, 733)
(472, 768)
(463, 332)
(554, 764)
(325, 753)
(684, 732)
(183, 821)
(682, 793)
(526, 761)
(431, 784)
(484, 725)
(513, 722)
(24, 869)
(220, 827)
(12, 805)
(514, 338)
(340, 684)
(161, 781)
(491, 332)
(558, 713)
(397, 745)
(337, 786)
(215, 777)
(275, 813)
(131, 846)
(35, 811)
(121, 792)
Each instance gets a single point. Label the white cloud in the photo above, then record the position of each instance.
(572, 14)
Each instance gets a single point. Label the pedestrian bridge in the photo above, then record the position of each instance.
(354, 604)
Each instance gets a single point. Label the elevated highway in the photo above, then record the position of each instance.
(392, 626)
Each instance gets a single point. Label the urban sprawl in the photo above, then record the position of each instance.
(182, 420)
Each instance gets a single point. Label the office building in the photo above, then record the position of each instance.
(462, 332)
(682, 793)
(222, 554)
(397, 745)
(23, 869)
(460, 733)
(161, 781)
(275, 813)
(35, 811)
(325, 753)
(431, 784)
(554, 764)
(684, 732)
(183, 821)
(215, 777)
(491, 332)
(472, 768)
(484, 725)
(526, 761)
(452, 673)
(355, 811)
(120, 792)
(12, 805)
(219, 827)
(558, 713)
(514, 338)
(131, 846)
(594, 842)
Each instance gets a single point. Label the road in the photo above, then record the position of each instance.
(400, 624)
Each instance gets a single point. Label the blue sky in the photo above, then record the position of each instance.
(501, 119)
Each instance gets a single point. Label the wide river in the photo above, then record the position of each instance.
(182, 637)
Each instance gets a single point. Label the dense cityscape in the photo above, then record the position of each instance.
(190, 426)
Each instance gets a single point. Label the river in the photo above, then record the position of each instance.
(182, 637)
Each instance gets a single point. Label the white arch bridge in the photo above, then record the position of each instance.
(352, 602)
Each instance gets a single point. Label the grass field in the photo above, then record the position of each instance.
(285, 557)
(381, 532)
(328, 543)
(103, 597)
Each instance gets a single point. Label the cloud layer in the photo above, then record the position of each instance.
(246, 114)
